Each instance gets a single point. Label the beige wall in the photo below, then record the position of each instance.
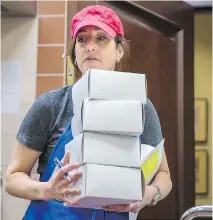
(203, 85)
(37, 45)
(18, 44)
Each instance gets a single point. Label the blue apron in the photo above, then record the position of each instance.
(54, 210)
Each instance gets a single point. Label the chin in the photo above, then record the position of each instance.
(93, 67)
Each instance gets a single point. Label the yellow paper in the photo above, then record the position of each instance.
(149, 166)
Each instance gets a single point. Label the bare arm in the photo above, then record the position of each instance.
(18, 182)
(163, 179)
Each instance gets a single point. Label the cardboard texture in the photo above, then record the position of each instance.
(106, 185)
(110, 117)
(110, 85)
(96, 148)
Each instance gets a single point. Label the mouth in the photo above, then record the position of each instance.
(90, 59)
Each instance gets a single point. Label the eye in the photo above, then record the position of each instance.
(101, 38)
(82, 39)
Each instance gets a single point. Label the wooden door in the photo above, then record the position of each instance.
(161, 36)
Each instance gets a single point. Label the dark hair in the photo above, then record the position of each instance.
(119, 40)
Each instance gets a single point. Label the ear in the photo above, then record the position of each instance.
(120, 53)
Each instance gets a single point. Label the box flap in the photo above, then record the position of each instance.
(74, 147)
(143, 117)
(145, 151)
(80, 91)
(89, 83)
(82, 114)
(77, 121)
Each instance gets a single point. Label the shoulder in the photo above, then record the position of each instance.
(47, 105)
(54, 98)
(57, 94)
(36, 125)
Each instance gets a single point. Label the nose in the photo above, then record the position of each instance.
(90, 46)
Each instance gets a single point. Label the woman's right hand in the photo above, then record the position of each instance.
(57, 186)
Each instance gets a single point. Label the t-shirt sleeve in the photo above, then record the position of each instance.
(152, 134)
(34, 129)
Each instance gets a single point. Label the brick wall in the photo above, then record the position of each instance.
(52, 38)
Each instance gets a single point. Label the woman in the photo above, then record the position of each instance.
(99, 44)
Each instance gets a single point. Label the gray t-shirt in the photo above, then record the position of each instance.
(51, 113)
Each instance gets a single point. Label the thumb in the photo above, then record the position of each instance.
(65, 159)
(133, 207)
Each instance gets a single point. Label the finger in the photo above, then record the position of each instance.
(59, 196)
(117, 208)
(73, 178)
(69, 192)
(63, 183)
(65, 169)
(66, 194)
(69, 201)
(133, 207)
(72, 203)
(66, 158)
(107, 208)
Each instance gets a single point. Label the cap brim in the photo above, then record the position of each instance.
(90, 22)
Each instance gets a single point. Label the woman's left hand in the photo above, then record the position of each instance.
(150, 193)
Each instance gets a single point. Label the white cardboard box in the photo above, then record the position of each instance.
(112, 117)
(103, 185)
(106, 149)
(110, 85)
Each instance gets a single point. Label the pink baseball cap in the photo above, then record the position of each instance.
(98, 16)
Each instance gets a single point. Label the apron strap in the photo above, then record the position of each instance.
(58, 151)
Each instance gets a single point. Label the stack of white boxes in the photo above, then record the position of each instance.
(108, 119)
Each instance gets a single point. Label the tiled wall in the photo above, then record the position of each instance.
(52, 33)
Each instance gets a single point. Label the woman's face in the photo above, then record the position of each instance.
(95, 49)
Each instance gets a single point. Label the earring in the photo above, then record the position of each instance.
(76, 63)
(117, 61)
